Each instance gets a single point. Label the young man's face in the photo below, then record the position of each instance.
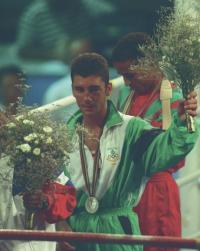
(91, 93)
(141, 81)
(11, 90)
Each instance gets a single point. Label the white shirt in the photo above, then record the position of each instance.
(12, 215)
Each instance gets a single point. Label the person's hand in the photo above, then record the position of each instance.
(189, 105)
(35, 200)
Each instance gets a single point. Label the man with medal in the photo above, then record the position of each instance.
(154, 98)
(106, 165)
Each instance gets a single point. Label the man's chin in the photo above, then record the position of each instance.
(88, 112)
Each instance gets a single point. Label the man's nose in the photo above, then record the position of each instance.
(87, 96)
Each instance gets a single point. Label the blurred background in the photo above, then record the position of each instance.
(42, 36)
(39, 38)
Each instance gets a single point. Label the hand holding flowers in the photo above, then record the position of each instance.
(188, 106)
(175, 49)
(37, 148)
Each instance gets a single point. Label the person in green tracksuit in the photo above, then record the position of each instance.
(112, 152)
(155, 99)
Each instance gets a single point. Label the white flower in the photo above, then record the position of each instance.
(30, 137)
(28, 160)
(49, 140)
(42, 155)
(19, 117)
(65, 153)
(165, 48)
(66, 161)
(42, 136)
(187, 41)
(28, 122)
(25, 148)
(47, 129)
(11, 125)
(36, 151)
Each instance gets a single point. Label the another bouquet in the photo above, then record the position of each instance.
(37, 148)
(175, 49)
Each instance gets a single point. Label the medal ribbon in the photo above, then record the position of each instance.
(84, 165)
(130, 101)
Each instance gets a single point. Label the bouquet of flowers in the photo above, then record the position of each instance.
(175, 49)
(37, 148)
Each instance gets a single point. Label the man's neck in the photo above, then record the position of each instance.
(94, 122)
(94, 129)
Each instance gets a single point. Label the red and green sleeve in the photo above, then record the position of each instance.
(155, 112)
(61, 201)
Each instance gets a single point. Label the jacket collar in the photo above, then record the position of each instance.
(113, 117)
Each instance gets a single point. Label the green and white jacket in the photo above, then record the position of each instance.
(126, 157)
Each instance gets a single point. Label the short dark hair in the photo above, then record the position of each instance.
(88, 64)
(18, 85)
(127, 48)
(10, 69)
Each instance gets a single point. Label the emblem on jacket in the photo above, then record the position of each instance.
(113, 155)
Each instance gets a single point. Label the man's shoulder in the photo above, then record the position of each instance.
(134, 122)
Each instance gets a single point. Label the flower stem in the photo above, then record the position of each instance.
(29, 219)
(190, 123)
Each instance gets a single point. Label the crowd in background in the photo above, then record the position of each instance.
(55, 31)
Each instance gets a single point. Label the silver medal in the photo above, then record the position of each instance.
(91, 205)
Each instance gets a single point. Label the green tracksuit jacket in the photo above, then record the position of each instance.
(127, 154)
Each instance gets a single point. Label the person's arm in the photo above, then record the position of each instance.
(169, 147)
(55, 201)
(158, 117)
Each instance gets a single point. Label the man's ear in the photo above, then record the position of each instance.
(108, 89)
